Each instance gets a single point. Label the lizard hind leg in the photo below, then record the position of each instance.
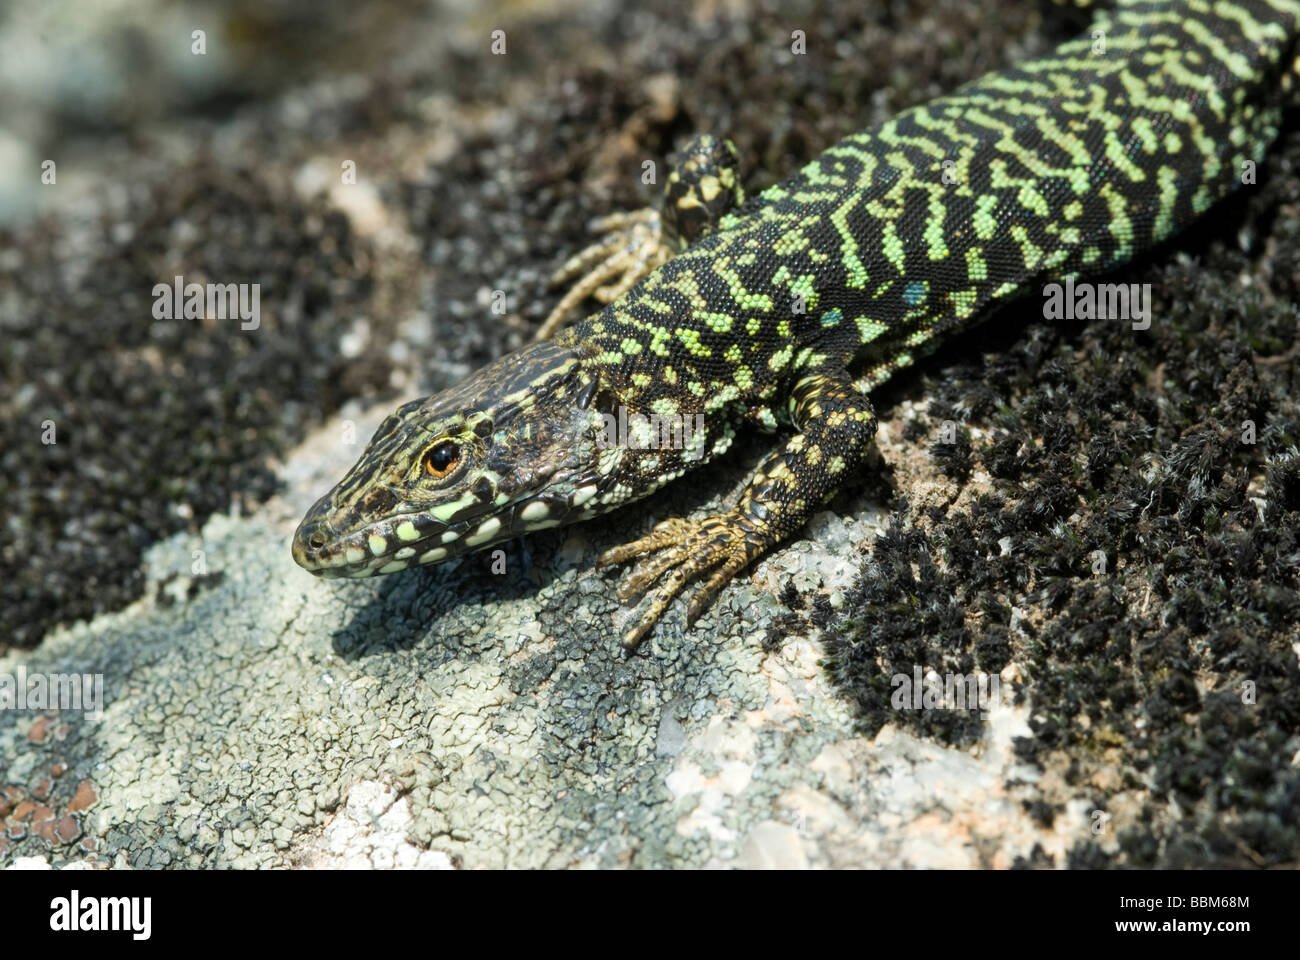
(702, 188)
(836, 424)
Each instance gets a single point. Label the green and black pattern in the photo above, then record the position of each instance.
(785, 311)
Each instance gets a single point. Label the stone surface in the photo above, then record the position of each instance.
(255, 716)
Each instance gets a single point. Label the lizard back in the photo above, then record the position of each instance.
(1067, 165)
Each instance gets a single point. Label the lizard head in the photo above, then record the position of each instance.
(512, 448)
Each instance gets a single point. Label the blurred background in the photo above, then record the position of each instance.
(76, 75)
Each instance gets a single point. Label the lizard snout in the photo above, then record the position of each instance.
(314, 542)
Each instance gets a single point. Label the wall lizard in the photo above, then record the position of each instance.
(786, 309)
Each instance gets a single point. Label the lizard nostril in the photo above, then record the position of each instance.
(317, 539)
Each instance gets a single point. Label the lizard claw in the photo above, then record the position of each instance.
(607, 269)
(685, 550)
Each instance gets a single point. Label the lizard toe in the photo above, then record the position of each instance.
(679, 552)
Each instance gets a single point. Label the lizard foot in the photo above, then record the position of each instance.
(689, 549)
(607, 269)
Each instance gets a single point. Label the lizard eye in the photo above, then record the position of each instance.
(439, 461)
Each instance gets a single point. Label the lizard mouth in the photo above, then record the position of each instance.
(386, 546)
(415, 539)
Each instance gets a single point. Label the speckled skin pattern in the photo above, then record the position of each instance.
(786, 309)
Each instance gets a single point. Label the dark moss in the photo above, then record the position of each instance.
(1150, 531)
(160, 423)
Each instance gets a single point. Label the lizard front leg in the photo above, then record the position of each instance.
(835, 423)
(702, 188)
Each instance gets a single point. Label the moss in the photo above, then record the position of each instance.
(1099, 439)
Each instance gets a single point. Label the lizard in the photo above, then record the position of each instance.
(782, 311)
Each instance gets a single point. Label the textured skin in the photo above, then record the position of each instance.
(786, 310)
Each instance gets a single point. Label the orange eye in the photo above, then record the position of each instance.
(441, 459)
